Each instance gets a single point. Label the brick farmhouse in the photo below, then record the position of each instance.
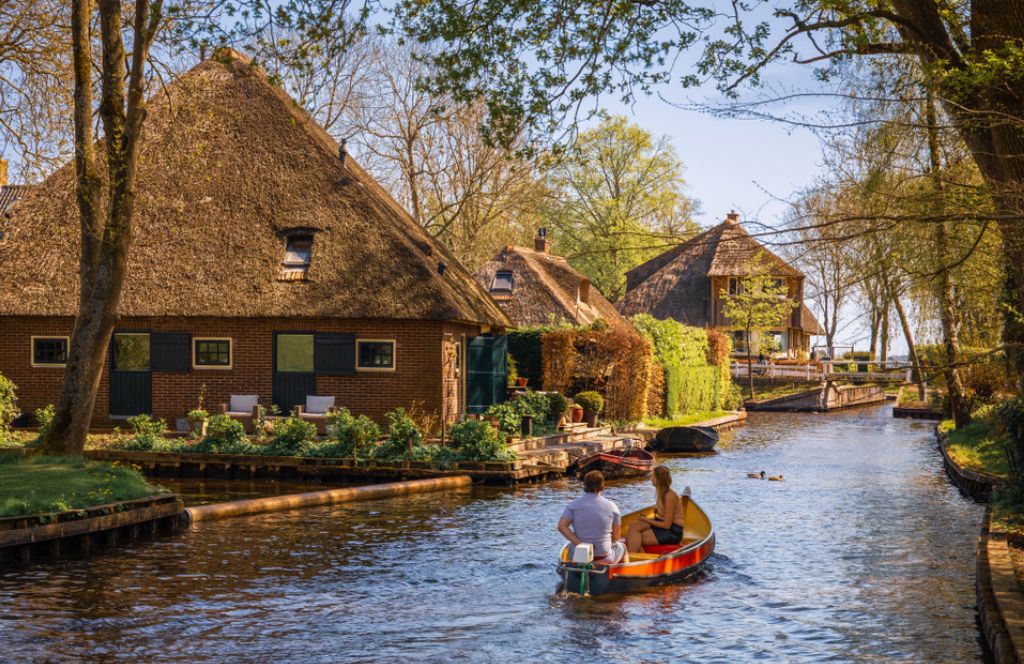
(265, 261)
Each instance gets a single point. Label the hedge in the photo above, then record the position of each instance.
(525, 347)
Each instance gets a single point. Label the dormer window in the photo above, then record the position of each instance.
(502, 283)
(297, 253)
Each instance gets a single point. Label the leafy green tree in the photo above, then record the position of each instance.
(761, 302)
(537, 61)
(617, 201)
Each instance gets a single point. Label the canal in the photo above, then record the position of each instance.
(863, 553)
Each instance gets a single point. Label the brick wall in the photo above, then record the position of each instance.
(422, 375)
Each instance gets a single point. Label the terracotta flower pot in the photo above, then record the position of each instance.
(577, 415)
(522, 381)
(197, 427)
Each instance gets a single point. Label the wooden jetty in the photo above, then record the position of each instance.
(825, 397)
(77, 532)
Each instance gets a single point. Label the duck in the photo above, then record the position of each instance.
(756, 476)
(776, 478)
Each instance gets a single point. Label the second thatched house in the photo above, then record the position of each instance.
(686, 282)
(535, 287)
(265, 262)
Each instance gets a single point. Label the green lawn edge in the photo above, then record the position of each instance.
(38, 485)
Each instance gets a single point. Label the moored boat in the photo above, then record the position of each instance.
(623, 462)
(656, 565)
(684, 439)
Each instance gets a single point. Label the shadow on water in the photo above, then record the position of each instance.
(864, 553)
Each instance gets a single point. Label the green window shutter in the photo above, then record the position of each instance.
(170, 352)
(486, 362)
(335, 354)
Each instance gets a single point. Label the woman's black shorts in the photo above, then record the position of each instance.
(673, 535)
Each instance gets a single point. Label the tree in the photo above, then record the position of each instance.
(760, 302)
(574, 49)
(106, 196)
(617, 201)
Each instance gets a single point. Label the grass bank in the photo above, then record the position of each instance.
(978, 446)
(51, 484)
(686, 420)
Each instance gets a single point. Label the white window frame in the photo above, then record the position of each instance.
(394, 356)
(32, 350)
(218, 367)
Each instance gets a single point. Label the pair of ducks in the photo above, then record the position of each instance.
(762, 475)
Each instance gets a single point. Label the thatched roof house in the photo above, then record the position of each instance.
(685, 283)
(251, 222)
(535, 287)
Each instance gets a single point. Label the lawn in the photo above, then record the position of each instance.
(976, 447)
(31, 485)
(685, 420)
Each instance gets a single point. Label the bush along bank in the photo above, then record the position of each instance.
(349, 436)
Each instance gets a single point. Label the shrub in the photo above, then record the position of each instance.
(510, 420)
(8, 405)
(590, 401)
(403, 436)
(533, 404)
(475, 440)
(351, 437)
(290, 434)
(511, 374)
(146, 433)
(557, 405)
(44, 418)
(225, 436)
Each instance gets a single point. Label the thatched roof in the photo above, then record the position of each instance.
(724, 250)
(676, 283)
(546, 290)
(808, 323)
(229, 165)
(9, 195)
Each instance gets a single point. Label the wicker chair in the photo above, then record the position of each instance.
(316, 411)
(243, 407)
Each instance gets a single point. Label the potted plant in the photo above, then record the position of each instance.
(592, 404)
(576, 413)
(558, 409)
(521, 381)
(198, 417)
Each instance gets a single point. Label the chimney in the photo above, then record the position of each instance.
(584, 291)
(3, 172)
(540, 243)
(342, 152)
(733, 217)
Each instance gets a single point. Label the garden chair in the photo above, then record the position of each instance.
(316, 411)
(243, 407)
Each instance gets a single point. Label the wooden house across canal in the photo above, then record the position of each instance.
(685, 283)
(265, 262)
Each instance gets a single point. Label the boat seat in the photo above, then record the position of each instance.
(660, 549)
(637, 557)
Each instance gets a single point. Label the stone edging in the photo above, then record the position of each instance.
(975, 484)
(1000, 603)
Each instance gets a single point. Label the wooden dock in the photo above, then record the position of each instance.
(77, 532)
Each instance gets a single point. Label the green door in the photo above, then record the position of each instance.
(486, 372)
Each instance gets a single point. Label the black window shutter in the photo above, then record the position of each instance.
(170, 351)
(335, 354)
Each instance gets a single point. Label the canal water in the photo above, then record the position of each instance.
(863, 553)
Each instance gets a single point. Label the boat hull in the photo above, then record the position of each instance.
(616, 464)
(659, 572)
(684, 439)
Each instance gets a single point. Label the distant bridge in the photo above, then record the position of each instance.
(864, 371)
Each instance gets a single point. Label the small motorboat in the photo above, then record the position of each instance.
(684, 439)
(623, 462)
(655, 566)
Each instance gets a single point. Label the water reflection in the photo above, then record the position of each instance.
(864, 553)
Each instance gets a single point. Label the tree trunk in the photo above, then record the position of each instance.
(883, 352)
(917, 375)
(944, 278)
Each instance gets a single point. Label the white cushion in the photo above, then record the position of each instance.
(319, 405)
(243, 403)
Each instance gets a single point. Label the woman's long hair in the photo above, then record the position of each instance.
(662, 483)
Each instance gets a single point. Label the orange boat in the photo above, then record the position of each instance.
(657, 565)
